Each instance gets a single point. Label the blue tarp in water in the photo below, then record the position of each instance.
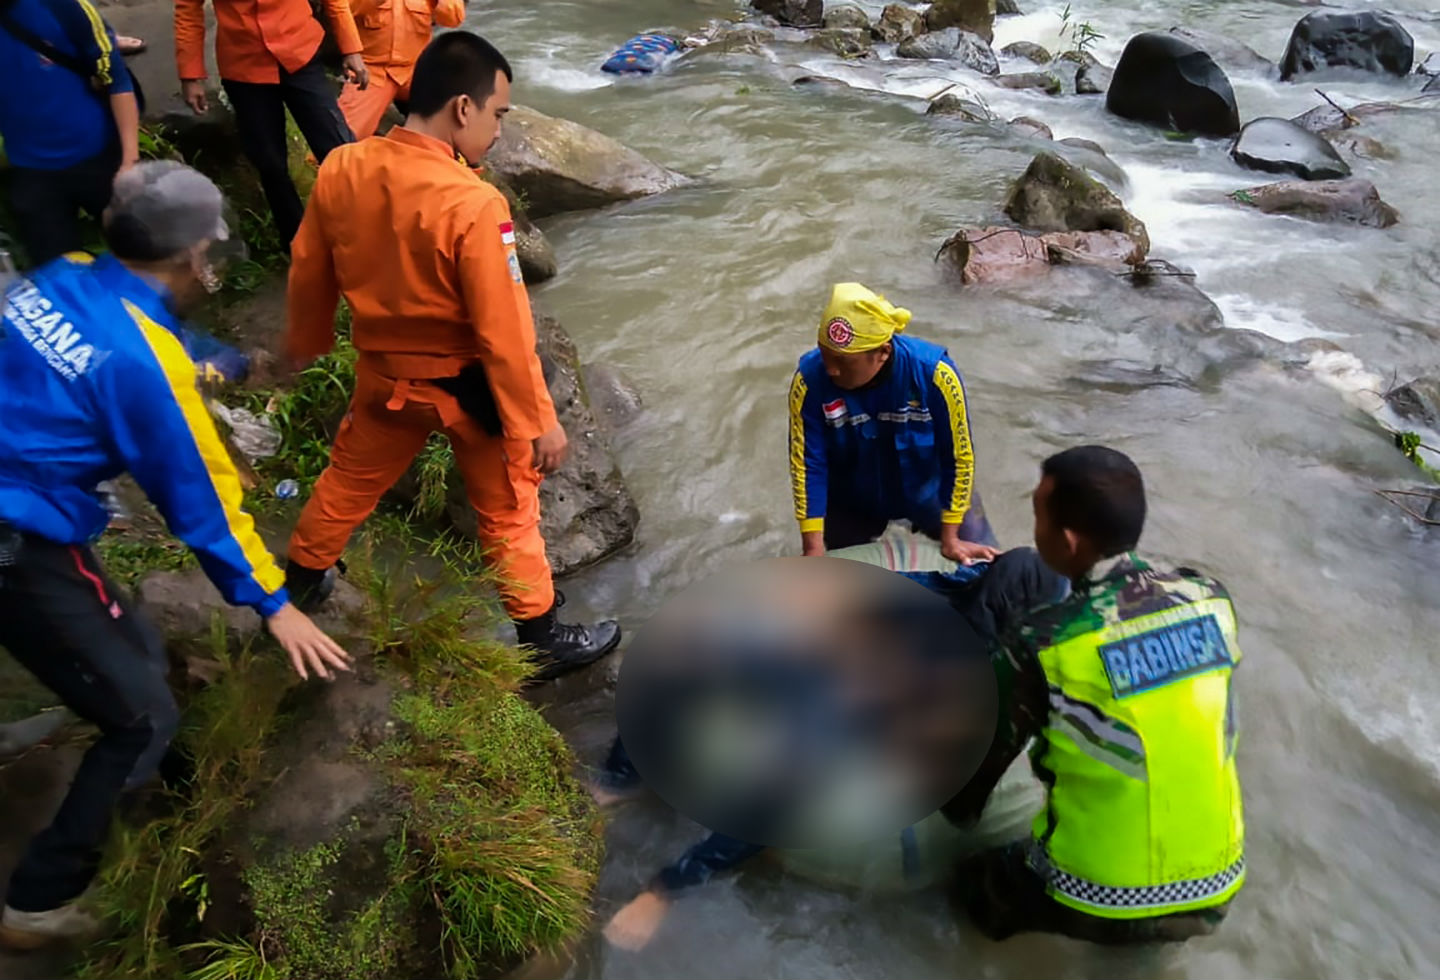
(640, 55)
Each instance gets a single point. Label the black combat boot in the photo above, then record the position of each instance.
(558, 648)
(310, 587)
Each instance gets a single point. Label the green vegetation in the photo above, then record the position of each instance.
(128, 556)
(1410, 444)
(485, 851)
(1082, 35)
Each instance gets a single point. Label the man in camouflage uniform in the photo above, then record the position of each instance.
(1124, 687)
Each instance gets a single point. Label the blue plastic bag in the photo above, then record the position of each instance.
(640, 55)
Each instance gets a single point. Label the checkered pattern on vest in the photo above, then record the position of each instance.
(1146, 896)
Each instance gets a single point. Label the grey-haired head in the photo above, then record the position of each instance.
(160, 210)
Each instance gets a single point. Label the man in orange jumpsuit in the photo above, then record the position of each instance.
(394, 33)
(423, 251)
(268, 54)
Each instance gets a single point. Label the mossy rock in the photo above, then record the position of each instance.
(413, 818)
(1055, 195)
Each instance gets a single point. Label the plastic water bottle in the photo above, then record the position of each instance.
(286, 489)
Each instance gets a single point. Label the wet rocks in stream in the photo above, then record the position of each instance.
(960, 108)
(1280, 146)
(1026, 126)
(1352, 200)
(558, 165)
(1166, 81)
(846, 15)
(1094, 79)
(1370, 41)
(1045, 81)
(1056, 195)
(793, 13)
(952, 44)
(1417, 401)
(898, 23)
(975, 16)
(844, 42)
(1234, 55)
(1028, 50)
(999, 254)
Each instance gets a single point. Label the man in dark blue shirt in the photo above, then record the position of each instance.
(66, 133)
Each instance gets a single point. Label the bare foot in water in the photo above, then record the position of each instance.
(635, 925)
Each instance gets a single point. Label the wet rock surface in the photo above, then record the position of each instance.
(1056, 195)
(1369, 41)
(1166, 81)
(793, 13)
(975, 16)
(1280, 146)
(1352, 200)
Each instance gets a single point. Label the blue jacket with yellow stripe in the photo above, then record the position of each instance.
(95, 382)
(898, 448)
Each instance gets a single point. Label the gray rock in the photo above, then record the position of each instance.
(557, 165)
(819, 81)
(793, 13)
(586, 510)
(935, 45)
(846, 15)
(1031, 127)
(1091, 156)
(975, 16)
(1325, 119)
(1046, 81)
(537, 256)
(846, 42)
(1093, 79)
(974, 52)
(898, 23)
(1351, 200)
(1056, 195)
(1084, 144)
(1028, 50)
(1418, 401)
(1370, 40)
(723, 38)
(1232, 54)
(1280, 146)
(614, 401)
(954, 105)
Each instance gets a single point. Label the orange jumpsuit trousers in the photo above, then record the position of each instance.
(388, 424)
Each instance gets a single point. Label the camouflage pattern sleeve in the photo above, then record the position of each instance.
(1020, 683)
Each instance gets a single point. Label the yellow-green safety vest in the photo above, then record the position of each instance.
(1143, 816)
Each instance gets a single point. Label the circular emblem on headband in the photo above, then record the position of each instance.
(840, 332)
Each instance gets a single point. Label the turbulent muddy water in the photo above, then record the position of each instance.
(1259, 472)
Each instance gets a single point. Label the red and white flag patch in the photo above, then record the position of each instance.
(835, 410)
(507, 232)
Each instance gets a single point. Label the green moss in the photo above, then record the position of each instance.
(128, 557)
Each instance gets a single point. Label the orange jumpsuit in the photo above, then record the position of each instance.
(423, 250)
(254, 39)
(394, 33)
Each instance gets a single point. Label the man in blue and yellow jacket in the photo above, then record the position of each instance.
(95, 382)
(879, 433)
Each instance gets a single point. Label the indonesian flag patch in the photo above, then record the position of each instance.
(834, 411)
(507, 232)
(512, 259)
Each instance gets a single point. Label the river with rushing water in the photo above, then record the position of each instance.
(1258, 472)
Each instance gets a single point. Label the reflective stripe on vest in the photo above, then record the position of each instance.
(1144, 812)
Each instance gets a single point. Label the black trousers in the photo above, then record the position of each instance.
(310, 95)
(65, 622)
(47, 203)
(1004, 896)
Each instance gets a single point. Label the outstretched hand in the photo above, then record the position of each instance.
(635, 925)
(965, 552)
(307, 644)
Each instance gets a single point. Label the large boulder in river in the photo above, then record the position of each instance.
(793, 13)
(845, 42)
(586, 511)
(992, 255)
(557, 165)
(958, 107)
(1166, 81)
(975, 16)
(1279, 146)
(898, 23)
(536, 254)
(1028, 50)
(1352, 200)
(1055, 195)
(1370, 40)
(846, 15)
(1234, 55)
(952, 44)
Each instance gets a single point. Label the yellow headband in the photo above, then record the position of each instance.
(858, 320)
